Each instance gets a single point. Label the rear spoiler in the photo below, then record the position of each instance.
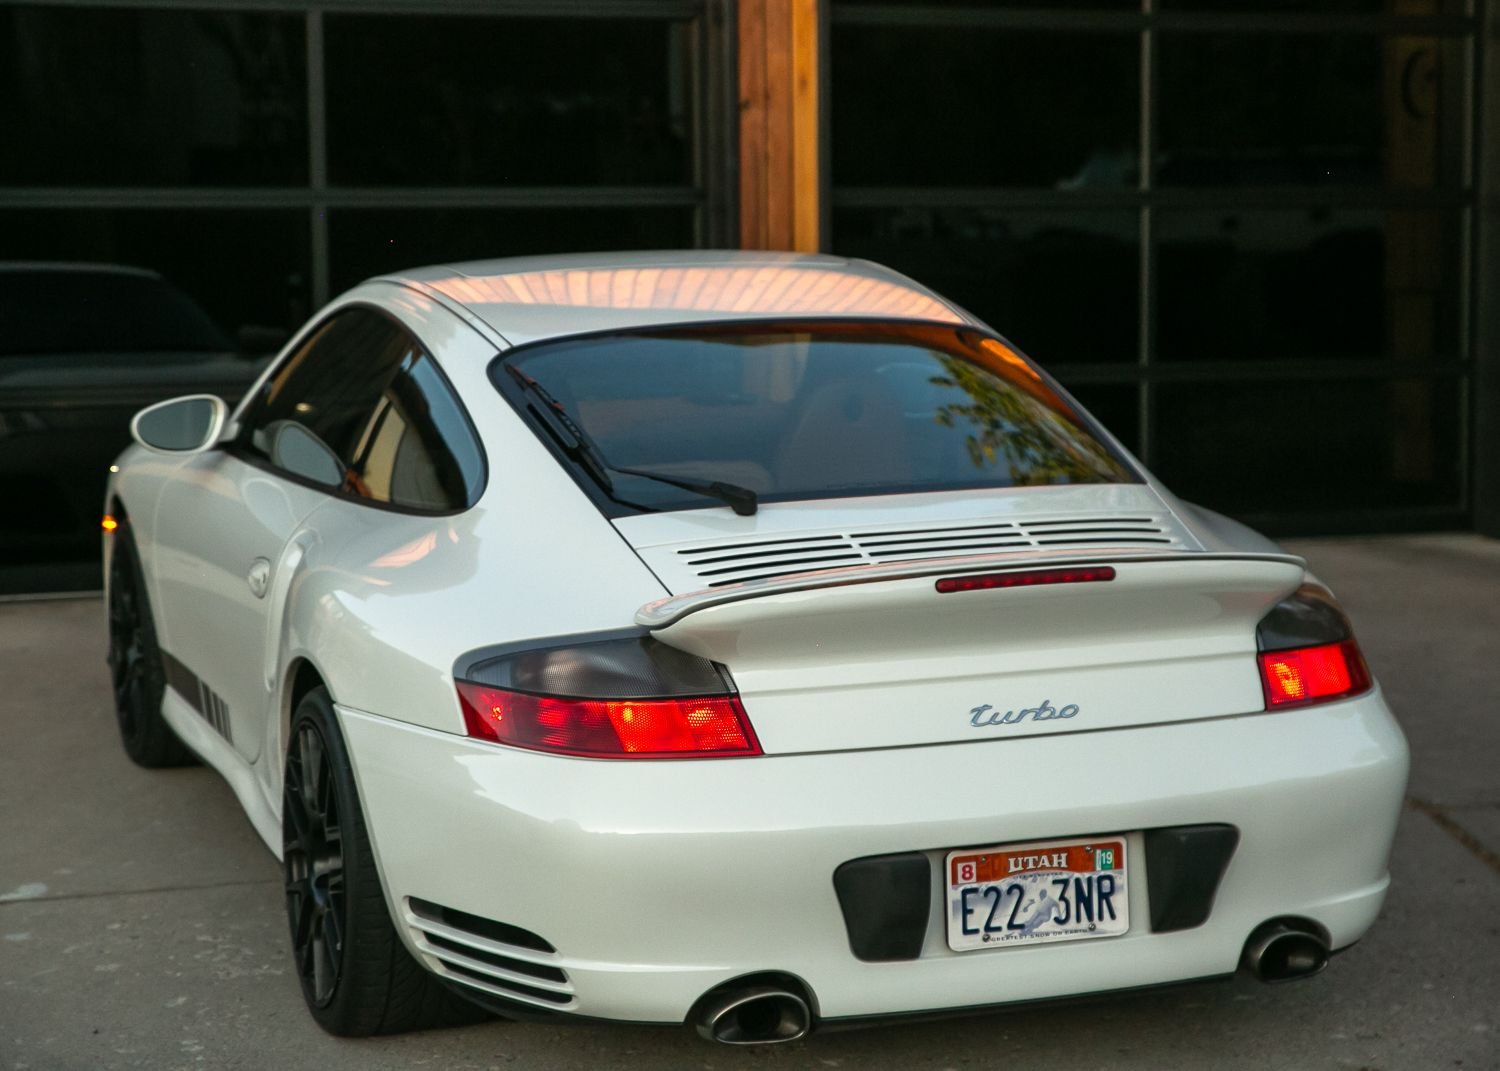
(668, 611)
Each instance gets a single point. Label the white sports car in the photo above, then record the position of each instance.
(747, 640)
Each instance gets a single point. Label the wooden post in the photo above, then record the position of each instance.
(778, 60)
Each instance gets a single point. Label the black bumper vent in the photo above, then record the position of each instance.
(886, 900)
(1184, 865)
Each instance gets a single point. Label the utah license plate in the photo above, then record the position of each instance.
(1025, 894)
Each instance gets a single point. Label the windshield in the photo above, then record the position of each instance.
(81, 311)
(809, 410)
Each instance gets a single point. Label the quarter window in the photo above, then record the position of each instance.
(361, 407)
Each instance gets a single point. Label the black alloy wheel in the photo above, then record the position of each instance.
(314, 865)
(357, 977)
(135, 664)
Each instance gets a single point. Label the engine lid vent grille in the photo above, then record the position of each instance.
(717, 564)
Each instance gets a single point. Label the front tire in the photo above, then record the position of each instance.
(357, 977)
(135, 664)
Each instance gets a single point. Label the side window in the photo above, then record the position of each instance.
(418, 449)
(362, 407)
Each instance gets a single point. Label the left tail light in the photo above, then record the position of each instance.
(619, 696)
(1308, 653)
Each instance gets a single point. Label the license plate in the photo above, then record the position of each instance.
(1027, 894)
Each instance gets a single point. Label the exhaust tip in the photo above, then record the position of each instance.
(1286, 950)
(753, 1015)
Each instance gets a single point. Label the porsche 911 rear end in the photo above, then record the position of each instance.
(945, 705)
(902, 795)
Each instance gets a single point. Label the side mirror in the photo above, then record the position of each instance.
(180, 425)
(300, 452)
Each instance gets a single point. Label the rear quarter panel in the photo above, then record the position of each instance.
(384, 602)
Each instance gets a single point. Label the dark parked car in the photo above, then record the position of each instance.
(82, 348)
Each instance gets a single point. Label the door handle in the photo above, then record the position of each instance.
(259, 577)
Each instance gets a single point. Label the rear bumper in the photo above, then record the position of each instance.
(656, 881)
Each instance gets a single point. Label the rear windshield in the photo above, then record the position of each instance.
(79, 311)
(804, 410)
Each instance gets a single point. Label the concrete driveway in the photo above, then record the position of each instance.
(141, 922)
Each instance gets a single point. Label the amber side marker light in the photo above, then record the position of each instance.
(109, 524)
(1033, 578)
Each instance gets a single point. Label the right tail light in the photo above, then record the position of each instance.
(1308, 653)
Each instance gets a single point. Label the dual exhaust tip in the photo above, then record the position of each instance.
(753, 1015)
(1281, 950)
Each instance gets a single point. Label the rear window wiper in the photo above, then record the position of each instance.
(576, 443)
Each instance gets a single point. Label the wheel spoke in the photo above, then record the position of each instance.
(333, 940)
(323, 970)
(292, 805)
(308, 958)
(312, 771)
(302, 908)
(327, 803)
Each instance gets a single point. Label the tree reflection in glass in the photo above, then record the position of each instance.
(1025, 426)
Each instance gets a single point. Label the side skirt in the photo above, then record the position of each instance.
(217, 752)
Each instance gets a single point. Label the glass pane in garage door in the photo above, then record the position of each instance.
(1320, 7)
(436, 100)
(1280, 447)
(1064, 286)
(1249, 109)
(112, 97)
(1316, 282)
(970, 106)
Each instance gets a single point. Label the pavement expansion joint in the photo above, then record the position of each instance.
(104, 894)
(1445, 821)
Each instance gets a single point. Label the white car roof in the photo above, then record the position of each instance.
(526, 299)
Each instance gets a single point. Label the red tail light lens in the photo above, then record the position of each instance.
(609, 728)
(1313, 674)
(614, 695)
(1307, 651)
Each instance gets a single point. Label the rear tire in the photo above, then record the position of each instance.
(357, 977)
(135, 664)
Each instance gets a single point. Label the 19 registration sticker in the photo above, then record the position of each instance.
(1026, 894)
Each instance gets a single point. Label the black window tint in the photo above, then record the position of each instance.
(812, 410)
(362, 393)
